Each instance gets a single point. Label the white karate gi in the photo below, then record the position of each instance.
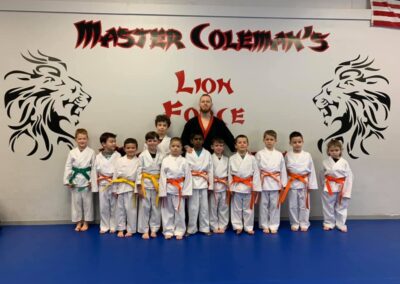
(198, 201)
(81, 193)
(219, 209)
(242, 216)
(106, 167)
(173, 207)
(163, 146)
(334, 207)
(126, 211)
(271, 162)
(149, 211)
(302, 164)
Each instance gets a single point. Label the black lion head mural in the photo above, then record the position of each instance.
(43, 103)
(353, 105)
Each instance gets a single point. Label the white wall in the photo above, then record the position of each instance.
(129, 86)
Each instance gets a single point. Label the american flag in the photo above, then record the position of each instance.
(386, 13)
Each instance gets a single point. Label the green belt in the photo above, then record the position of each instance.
(77, 171)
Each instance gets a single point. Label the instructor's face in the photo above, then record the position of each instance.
(205, 104)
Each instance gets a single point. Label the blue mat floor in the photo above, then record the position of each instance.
(368, 253)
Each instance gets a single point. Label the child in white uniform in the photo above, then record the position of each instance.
(338, 183)
(219, 207)
(175, 185)
(162, 123)
(148, 187)
(126, 171)
(244, 179)
(202, 175)
(105, 168)
(273, 177)
(78, 177)
(301, 180)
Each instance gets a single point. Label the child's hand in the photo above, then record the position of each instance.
(70, 186)
(115, 194)
(89, 185)
(188, 149)
(140, 192)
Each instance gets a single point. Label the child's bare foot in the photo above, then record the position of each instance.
(145, 236)
(239, 231)
(294, 228)
(128, 235)
(207, 233)
(274, 231)
(78, 227)
(120, 234)
(179, 237)
(303, 229)
(266, 231)
(153, 235)
(112, 231)
(326, 228)
(250, 232)
(216, 231)
(168, 237)
(85, 227)
(221, 231)
(343, 229)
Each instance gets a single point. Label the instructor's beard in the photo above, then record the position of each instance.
(205, 111)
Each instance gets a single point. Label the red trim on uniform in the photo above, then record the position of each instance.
(205, 131)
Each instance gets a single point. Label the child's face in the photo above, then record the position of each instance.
(175, 148)
(152, 144)
(269, 141)
(241, 145)
(81, 141)
(161, 128)
(130, 150)
(297, 143)
(197, 141)
(110, 145)
(335, 152)
(218, 148)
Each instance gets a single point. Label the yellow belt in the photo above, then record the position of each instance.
(154, 180)
(127, 181)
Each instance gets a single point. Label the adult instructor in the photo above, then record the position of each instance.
(208, 124)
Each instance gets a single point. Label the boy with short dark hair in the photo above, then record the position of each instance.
(301, 180)
(273, 177)
(124, 186)
(104, 171)
(203, 180)
(148, 187)
(162, 123)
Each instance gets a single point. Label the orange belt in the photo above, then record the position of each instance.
(340, 181)
(177, 183)
(223, 180)
(106, 178)
(275, 176)
(249, 182)
(202, 174)
(293, 177)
